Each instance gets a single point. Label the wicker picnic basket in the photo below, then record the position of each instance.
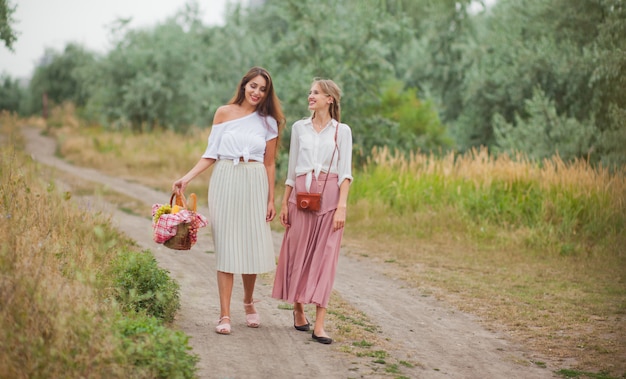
(183, 239)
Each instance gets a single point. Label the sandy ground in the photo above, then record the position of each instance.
(442, 341)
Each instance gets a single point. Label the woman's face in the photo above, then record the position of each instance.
(318, 100)
(255, 90)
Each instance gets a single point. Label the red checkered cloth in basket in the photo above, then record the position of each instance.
(165, 227)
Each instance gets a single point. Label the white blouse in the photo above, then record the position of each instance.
(244, 137)
(310, 152)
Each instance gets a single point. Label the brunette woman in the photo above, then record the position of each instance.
(242, 145)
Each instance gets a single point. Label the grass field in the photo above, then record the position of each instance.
(535, 249)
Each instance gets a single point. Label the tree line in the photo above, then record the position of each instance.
(541, 77)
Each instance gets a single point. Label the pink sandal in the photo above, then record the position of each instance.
(252, 319)
(223, 328)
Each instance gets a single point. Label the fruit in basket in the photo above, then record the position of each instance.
(193, 229)
(163, 209)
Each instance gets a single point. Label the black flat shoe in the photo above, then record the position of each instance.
(302, 328)
(324, 340)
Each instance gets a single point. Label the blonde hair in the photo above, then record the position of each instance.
(331, 89)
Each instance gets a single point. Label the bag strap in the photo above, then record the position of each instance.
(331, 158)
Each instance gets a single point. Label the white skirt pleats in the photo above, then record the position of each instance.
(237, 208)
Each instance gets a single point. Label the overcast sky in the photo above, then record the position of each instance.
(55, 23)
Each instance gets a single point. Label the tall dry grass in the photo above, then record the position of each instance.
(52, 324)
(566, 207)
(156, 159)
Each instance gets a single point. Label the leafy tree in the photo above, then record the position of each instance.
(11, 93)
(153, 77)
(418, 125)
(7, 33)
(543, 132)
(538, 75)
(555, 46)
(352, 42)
(609, 81)
(62, 77)
(321, 39)
(439, 58)
(177, 73)
(612, 140)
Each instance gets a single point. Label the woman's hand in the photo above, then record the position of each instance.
(284, 215)
(179, 187)
(339, 219)
(271, 212)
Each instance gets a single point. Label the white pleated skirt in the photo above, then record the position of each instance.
(237, 208)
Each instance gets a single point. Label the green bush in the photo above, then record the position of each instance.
(141, 286)
(156, 351)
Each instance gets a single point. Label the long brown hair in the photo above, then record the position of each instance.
(331, 89)
(270, 105)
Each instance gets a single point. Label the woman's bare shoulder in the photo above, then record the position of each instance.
(225, 113)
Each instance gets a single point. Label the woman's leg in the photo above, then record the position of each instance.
(320, 315)
(248, 287)
(298, 314)
(252, 317)
(319, 334)
(225, 288)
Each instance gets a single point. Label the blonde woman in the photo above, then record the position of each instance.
(320, 160)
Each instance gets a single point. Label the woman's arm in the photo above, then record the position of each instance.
(290, 183)
(344, 163)
(339, 219)
(179, 186)
(284, 207)
(344, 168)
(269, 161)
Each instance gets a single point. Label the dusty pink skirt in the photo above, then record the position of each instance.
(310, 249)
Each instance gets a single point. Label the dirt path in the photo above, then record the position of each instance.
(444, 342)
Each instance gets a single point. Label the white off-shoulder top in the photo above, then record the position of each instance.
(243, 137)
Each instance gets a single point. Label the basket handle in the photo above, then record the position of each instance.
(192, 205)
(180, 200)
